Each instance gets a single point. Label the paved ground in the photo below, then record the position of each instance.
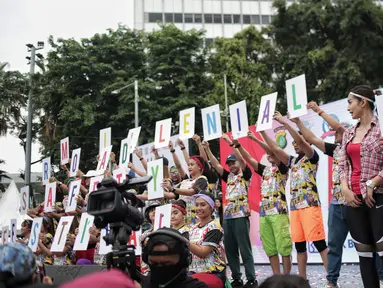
(349, 275)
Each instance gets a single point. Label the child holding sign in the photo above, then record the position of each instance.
(274, 221)
(189, 187)
(305, 208)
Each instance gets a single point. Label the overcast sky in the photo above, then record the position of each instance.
(29, 21)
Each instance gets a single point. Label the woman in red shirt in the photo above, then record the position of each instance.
(361, 172)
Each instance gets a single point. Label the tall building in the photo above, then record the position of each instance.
(220, 18)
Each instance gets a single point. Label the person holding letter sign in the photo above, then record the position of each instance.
(274, 220)
(361, 176)
(305, 208)
(236, 223)
(189, 187)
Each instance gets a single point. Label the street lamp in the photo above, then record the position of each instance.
(32, 62)
(136, 99)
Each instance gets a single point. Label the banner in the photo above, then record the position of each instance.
(320, 128)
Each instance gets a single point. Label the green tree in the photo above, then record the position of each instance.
(337, 44)
(178, 64)
(76, 96)
(245, 60)
(13, 87)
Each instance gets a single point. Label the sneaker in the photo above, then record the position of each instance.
(330, 285)
(381, 283)
(237, 284)
(251, 284)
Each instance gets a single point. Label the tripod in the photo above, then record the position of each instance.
(123, 256)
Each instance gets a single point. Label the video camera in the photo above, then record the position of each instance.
(112, 205)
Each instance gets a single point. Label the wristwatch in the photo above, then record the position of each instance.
(370, 184)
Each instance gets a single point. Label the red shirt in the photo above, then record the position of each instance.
(353, 152)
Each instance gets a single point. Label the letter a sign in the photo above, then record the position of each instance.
(296, 96)
(266, 112)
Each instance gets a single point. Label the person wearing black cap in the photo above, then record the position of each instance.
(236, 223)
(167, 253)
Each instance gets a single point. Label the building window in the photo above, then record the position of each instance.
(227, 18)
(197, 18)
(255, 19)
(178, 18)
(154, 17)
(265, 19)
(246, 19)
(188, 18)
(237, 19)
(169, 17)
(217, 18)
(208, 18)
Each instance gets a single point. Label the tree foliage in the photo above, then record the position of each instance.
(244, 60)
(13, 87)
(337, 44)
(77, 98)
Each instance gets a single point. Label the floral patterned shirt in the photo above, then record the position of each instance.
(237, 194)
(273, 198)
(198, 184)
(303, 187)
(334, 151)
(211, 234)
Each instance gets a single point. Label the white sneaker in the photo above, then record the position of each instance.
(381, 283)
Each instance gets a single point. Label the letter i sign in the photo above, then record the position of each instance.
(296, 96)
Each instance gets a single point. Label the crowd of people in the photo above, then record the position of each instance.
(211, 236)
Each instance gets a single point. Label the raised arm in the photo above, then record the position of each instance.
(261, 143)
(201, 150)
(331, 121)
(279, 152)
(214, 162)
(238, 155)
(246, 155)
(183, 149)
(308, 135)
(299, 141)
(138, 172)
(138, 153)
(176, 160)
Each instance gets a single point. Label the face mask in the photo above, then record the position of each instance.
(163, 274)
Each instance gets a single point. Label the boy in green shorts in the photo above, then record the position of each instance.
(274, 219)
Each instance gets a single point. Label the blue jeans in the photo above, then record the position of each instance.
(337, 234)
(379, 266)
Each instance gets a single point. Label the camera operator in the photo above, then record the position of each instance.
(167, 253)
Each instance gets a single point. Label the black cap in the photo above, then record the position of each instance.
(174, 245)
(231, 157)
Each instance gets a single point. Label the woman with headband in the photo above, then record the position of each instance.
(189, 187)
(361, 172)
(206, 244)
(177, 219)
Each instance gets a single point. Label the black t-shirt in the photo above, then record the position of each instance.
(246, 174)
(282, 168)
(330, 148)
